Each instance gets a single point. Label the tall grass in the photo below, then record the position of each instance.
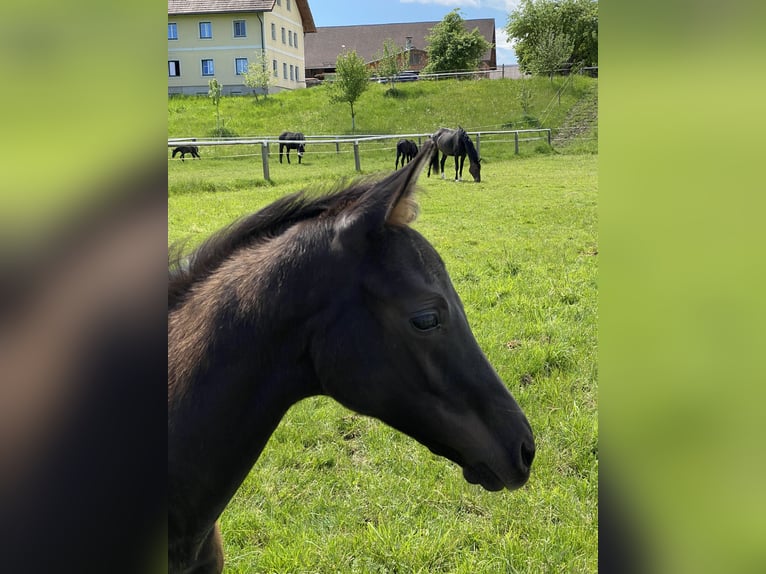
(337, 492)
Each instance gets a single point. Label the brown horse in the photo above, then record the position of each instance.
(333, 295)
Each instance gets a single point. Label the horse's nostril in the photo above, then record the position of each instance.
(527, 454)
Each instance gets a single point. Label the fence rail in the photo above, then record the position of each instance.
(265, 141)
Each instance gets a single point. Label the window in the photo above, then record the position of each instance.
(284, 70)
(297, 75)
(174, 68)
(240, 31)
(295, 39)
(273, 31)
(172, 31)
(279, 2)
(240, 64)
(288, 5)
(274, 67)
(292, 73)
(207, 68)
(205, 30)
(284, 41)
(290, 37)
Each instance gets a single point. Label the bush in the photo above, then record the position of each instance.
(222, 132)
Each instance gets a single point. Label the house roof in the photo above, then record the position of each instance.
(322, 48)
(178, 7)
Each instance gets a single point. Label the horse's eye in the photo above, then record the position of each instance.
(426, 321)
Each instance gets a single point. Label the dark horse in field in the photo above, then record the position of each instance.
(322, 295)
(184, 149)
(457, 143)
(407, 150)
(293, 140)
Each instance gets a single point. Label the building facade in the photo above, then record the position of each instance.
(220, 38)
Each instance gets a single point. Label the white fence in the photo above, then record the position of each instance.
(519, 136)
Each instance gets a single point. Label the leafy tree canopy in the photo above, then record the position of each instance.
(549, 53)
(392, 60)
(452, 48)
(537, 22)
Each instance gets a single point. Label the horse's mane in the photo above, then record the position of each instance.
(473, 156)
(184, 271)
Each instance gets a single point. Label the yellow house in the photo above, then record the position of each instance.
(219, 38)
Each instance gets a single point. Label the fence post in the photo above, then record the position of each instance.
(265, 158)
(516, 142)
(337, 147)
(478, 144)
(356, 155)
(549, 136)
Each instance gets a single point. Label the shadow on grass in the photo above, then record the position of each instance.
(403, 93)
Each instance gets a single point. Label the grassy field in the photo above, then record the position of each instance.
(416, 107)
(337, 492)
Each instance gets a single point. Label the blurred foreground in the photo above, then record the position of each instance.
(82, 289)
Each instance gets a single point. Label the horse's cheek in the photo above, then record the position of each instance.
(346, 361)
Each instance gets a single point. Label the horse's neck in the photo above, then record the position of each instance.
(231, 379)
(220, 427)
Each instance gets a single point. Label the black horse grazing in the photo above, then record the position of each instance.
(407, 150)
(381, 330)
(457, 143)
(184, 149)
(293, 140)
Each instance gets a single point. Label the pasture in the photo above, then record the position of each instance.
(415, 107)
(337, 492)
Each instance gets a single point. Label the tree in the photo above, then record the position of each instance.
(539, 24)
(392, 61)
(551, 49)
(352, 77)
(258, 75)
(452, 48)
(579, 20)
(214, 93)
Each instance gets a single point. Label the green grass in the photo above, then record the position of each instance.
(417, 107)
(337, 492)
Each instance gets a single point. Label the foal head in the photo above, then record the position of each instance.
(394, 343)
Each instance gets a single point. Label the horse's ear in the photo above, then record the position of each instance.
(389, 201)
